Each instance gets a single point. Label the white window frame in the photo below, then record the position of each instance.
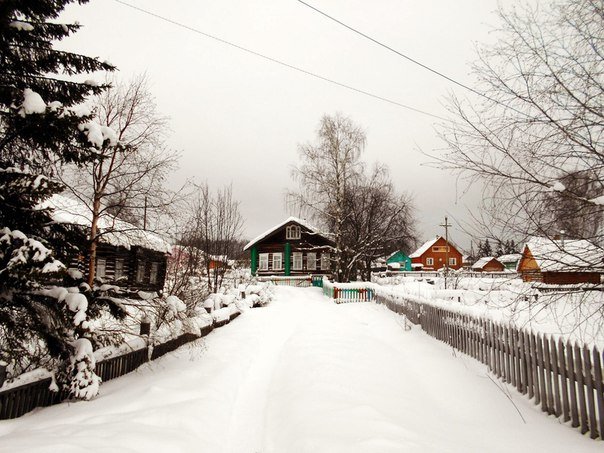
(101, 268)
(263, 261)
(118, 271)
(452, 261)
(278, 261)
(293, 232)
(430, 261)
(297, 260)
(154, 273)
(140, 272)
(311, 258)
(325, 264)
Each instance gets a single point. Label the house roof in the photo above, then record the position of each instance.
(114, 231)
(426, 246)
(565, 255)
(281, 225)
(482, 262)
(510, 258)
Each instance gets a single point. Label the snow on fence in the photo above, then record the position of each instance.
(299, 281)
(348, 292)
(452, 275)
(17, 401)
(564, 378)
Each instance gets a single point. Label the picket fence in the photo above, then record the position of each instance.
(341, 293)
(565, 379)
(17, 401)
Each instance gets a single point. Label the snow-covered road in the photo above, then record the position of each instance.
(301, 375)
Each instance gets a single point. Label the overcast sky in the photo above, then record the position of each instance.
(239, 119)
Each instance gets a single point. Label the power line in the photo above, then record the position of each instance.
(279, 62)
(412, 60)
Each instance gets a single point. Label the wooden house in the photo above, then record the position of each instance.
(399, 261)
(127, 256)
(561, 262)
(488, 264)
(510, 261)
(292, 247)
(433, 254)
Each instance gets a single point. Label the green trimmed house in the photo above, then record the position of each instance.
(290, 248)
(399, 261)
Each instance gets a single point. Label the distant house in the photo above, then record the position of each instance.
(432, 255)
(566, 261)
(399, 261)
(126, 255)
(292, 247)
(510, 261)
(488, 264)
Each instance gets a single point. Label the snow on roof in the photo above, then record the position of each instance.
(510, 258)
(116, 232)
(482, 262)
(424, 248)
(566, 255)
(282, 224)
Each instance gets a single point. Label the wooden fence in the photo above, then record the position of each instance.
(451, 276)
(300, 281)
(18, 401)
(341, 293)
(564, 379)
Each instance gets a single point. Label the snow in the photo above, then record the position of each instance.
(115, 232)
(598, 200)
(558, 187)
(21, 26)
(482, 262)
(565, 255)
(510, 258)
(97, 134)
(32, 103)
(302, 375)
(285, 222)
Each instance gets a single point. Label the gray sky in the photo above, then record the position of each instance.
(238, 118)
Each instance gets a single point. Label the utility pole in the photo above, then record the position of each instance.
(145, 215)
(446, 226)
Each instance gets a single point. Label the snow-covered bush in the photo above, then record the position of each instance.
(78, 376)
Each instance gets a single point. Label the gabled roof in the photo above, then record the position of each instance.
(117, 232)
(482, 262)
(509, 258)
(426, 246)
(394, 253)
(565, 255)
(271, 230)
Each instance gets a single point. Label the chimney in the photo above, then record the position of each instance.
(562, 232)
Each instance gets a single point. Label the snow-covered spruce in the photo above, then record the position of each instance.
(82, 382)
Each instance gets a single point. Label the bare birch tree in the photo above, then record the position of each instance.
(362, 213)
(327, 170)
(216, 229)
(127, 180)
(536, 143)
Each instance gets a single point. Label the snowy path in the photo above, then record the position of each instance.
(301, 375)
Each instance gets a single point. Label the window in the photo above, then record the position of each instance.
(154, 272)
(292, 232)
(452, 261)
(311, 261)
(119, 268)
(101, 267)
(297, 261)
(325, 261)
(263, 263)
(277, 261)
(441, 248)
(140, 272)
(429, 261)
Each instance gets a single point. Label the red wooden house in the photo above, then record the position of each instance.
(433, 254)
(488, 264)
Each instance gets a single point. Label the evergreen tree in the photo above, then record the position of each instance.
(42, 122)
(487, 251)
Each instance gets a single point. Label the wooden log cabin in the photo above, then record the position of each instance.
(561, 261)
(290, 248)
(488, 264)
(126, 256)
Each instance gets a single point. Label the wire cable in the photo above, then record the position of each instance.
(281, 63)
(412, 60)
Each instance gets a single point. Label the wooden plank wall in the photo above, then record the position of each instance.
(563, 378)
